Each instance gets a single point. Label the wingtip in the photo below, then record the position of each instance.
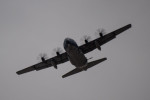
(130, 25)
(17, 73)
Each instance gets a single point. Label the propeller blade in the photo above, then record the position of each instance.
(100, 32)
(85, 39)
(42, 57)
(57, 51)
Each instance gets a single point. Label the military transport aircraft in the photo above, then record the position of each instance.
(75, 54)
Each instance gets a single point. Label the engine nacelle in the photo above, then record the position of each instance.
(57, 53)
(97, 45)
(54, 64)
(43, 59)
(101, 34)
(86, 41)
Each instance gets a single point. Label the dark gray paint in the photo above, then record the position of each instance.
(28, 28)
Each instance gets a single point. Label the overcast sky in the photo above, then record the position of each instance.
(31, 27)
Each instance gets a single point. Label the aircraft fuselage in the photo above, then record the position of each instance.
(75, 55)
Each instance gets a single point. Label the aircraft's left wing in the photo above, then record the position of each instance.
(54, 61)
(97, 43)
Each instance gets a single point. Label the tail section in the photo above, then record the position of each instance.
(89, 65)
(93, 63)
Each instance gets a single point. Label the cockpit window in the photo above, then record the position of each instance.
(69, 41)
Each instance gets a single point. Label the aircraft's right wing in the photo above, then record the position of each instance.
(54, 61)
(97, 43)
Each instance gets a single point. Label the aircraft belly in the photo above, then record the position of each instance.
(77, 58)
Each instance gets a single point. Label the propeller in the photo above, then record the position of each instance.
(85, 39)
(57, 51)
(100, 32)
(42, 57)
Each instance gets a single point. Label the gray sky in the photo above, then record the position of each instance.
(30, 27)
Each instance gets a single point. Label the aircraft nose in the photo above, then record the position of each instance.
(66, 43)
(69, 43)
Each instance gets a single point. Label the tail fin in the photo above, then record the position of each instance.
(89, 65)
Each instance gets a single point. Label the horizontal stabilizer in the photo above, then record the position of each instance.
(89, 65)
(93, 63)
